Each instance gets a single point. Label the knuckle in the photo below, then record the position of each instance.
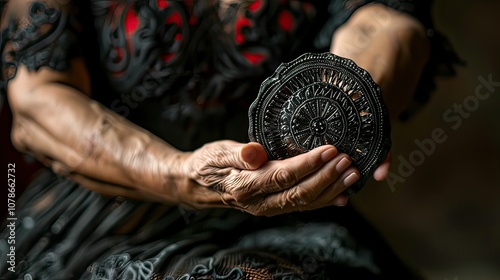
(283, 178)
(240, 187)
(300, 196)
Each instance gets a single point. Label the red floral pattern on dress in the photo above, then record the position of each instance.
(148, 45)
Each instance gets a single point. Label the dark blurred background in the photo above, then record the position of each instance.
(444, 219)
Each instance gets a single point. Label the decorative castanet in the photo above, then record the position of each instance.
(319, 99)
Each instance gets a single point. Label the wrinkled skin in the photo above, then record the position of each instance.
(246, 180)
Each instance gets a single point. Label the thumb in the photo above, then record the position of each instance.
(228, 153)
(252, 156)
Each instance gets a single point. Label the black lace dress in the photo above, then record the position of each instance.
(186, 71)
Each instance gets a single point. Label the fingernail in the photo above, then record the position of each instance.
(351, 179)
(328, 154)
(342, 165)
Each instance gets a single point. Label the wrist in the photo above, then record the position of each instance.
(391, 46)
(162, 166)
(374, 19)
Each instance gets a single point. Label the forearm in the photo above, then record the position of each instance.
(54, 118)
(79, 138)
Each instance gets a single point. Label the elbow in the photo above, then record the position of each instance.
(21, 115)
(19, 91)
(18, 135)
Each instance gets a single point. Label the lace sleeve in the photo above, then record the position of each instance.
(36, 34)
(442, 59)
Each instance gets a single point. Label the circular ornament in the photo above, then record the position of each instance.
(319, 99)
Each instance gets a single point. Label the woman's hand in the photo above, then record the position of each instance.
(393, 48)
(242, 177)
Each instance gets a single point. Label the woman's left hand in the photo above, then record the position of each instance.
(393, 48)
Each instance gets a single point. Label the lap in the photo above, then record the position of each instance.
(66, 231)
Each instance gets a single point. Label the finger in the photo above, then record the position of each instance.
(300, 196)
(339, 200)
(308, 190)
(331, 194)
(383, 170)
(277, 175)
(253, 155)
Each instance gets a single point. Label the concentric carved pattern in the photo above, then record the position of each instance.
(321, 99)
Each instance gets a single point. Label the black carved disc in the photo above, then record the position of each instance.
(320, 99)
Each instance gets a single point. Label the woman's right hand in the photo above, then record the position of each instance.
(231, 174)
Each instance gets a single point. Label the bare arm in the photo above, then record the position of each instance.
(79, 138)
(57, 122)
(393, 48)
